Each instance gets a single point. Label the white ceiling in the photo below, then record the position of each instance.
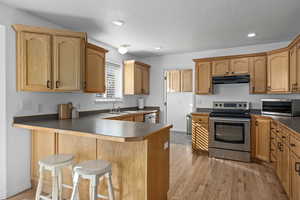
(175, 25)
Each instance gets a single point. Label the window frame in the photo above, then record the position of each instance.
(116, 99)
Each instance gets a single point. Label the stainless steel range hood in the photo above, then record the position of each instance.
(231, 79)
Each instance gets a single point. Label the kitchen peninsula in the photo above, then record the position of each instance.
(139, 152)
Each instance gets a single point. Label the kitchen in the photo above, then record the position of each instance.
(103, 127)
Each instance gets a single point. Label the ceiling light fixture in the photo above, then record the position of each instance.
(250, 35)
(157, 48)
(118, 22)
(123, 49)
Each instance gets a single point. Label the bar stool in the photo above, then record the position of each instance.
(54, 163)
(93, 170)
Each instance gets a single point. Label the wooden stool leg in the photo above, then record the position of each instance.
(110, 187)
(75, 193)
(93, 187)
(40, 183)
(54, 184)
(60, 187)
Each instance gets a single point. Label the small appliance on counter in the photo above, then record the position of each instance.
(284, 107)
(229, 135)
(141, 103)
(65, 111)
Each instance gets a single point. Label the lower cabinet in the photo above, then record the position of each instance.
(200, 132)
(295, 176)
(262, 139)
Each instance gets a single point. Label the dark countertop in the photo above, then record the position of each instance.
(291, 122)
(96, 125)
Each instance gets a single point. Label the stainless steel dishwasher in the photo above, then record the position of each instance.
(150, 118)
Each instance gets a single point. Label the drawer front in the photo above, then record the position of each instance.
(273, 145)
(295, 145)
(200, 119)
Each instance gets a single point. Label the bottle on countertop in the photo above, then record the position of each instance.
(75, 113)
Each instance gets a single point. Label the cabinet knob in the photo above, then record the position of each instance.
(48, 84)
(297, 167)
(57, 84)
(292, 145)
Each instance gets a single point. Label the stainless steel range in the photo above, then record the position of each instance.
(229, 136)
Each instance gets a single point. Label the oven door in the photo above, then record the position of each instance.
(230, 133)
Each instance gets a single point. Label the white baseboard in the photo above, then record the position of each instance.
(3, 195)
(178, 130)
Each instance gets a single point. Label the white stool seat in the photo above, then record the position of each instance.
(55, 160)
(93, 170)
(93, 167)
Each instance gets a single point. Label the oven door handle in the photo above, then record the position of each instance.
(227, 119)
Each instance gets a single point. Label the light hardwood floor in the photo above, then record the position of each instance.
(197, 177)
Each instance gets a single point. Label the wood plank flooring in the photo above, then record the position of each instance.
(198, 177)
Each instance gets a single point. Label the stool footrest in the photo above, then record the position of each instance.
(102, 196)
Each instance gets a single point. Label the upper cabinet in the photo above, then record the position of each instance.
(203, 78)
(295, 68)
(173, 81)
(278, 72)
(220, 67)
(179, 80)
(239, 66)
(136, 78)
(67, 63)
(49, 60)
(186, 80)
(95, 69)
(258, 74)
(34, 62)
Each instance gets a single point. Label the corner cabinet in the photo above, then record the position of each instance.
(136, 78)
(95, 69)
(278, 72)
(295, 68)
(49, 60)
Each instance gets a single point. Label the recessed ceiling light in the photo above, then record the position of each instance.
(250, 35)
(157, 48)
(118, 22)
(123, 49)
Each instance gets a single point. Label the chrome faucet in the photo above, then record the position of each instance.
(115, 109)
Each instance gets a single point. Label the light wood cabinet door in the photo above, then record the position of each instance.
(146, 83)
(278, 72)
(203, 80)
(186, 80)
(43, 145)
(138, 79)
(295, 177)
(285, 174)
(34, 57)
(239, 66)
(67, 63)
(94, 71)
(262, 139)
(173, 81)
(258, 71)
(293, 69)
(83, 148)
(200, 133)
(220, 68)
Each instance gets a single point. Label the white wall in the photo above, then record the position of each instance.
(185, 60)
(2, 115)
(27, 103)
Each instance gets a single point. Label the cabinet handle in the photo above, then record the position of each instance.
(57, 84)
(297, 167)
(293, 145)
(227, 72)
(283, 137)
(48, 84)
